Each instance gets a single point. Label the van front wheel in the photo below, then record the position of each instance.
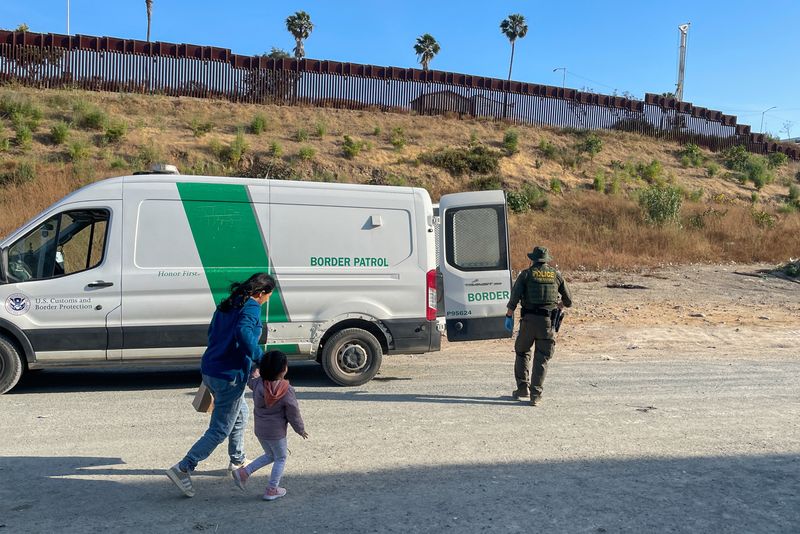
(352, 357)
(10, 365)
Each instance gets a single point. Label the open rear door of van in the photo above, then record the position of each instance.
(474, 263)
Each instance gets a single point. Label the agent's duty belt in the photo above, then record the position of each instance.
(536, 311)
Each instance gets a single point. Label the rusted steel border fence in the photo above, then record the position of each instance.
(121, 65)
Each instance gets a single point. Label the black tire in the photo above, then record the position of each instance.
(11, 366)
(352, 357)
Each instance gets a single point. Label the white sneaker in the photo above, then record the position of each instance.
(232, 466)
(181, 479)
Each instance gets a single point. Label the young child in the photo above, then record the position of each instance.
(275, 407)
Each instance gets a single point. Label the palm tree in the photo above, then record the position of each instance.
(514, 27)
(149, 5)
(300, 26)
(426, 49)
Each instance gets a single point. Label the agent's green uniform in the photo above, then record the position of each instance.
(538, 289)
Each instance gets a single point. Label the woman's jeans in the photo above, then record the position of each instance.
(275, 450)
(228, 420)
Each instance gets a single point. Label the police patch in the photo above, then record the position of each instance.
(18, 304)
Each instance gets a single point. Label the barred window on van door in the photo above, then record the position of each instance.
(476, 238)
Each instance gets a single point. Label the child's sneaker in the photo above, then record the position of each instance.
(240, 477)
(274, 493)
(181, 479)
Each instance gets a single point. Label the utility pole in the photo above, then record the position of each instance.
(563, 76)
(67, 17)
(761, 130)
(684, 29)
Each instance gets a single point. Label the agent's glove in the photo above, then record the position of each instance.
(509, 324)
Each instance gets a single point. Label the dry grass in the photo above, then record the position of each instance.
(583, 228)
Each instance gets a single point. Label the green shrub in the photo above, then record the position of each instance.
(147, 155)
(736, 158)
(5, 144)
(59, 133)
(691, 156)
(599, 182)
(233, 153)
(398, 138)
(536, 197)
(258, 124)
(592, 145)
(93, 119)
(275, 150)
(797, 176)
(787, 208)
(510, 141)
(115, 131)
(650, 172)
(20, 111)
(696, 195)
(77, 151)
(377, 131)
(24, 137)
(794, 193)
(306, 153)
(756, 170)
(200, 128)
(458, 161)
(661, 205)
(118, 163)
(351, 147)
(753, 197)
(473, 138)
(762, 218)
(301, 136)
(613, 186)
(555, 186)
(712, 169)
(547, 149)
(777, 159)
(487, 183)
(320, 129)
(23, 173)
(517, 202)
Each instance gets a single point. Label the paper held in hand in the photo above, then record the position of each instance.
(203, 400)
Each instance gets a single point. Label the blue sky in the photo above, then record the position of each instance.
(742, 56)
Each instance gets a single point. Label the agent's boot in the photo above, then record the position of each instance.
(521, 392)
(536, 400)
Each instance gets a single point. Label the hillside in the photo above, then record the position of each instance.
(585, 203)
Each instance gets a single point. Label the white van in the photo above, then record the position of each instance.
(129, 270)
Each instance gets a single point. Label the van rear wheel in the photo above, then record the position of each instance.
(352, 357)
(10, 365)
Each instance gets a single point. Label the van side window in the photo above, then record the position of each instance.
(476, 238)
(67, 243)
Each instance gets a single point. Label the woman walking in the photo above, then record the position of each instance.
(232, 352)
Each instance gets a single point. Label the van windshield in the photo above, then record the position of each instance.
(64, 244)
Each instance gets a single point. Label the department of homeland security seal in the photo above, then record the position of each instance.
(18, 304)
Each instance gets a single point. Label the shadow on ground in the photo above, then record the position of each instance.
(142, 378)
(751, 494)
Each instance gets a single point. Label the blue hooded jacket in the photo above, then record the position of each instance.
(233, 343)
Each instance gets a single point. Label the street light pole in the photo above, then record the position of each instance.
(761, 130)
(67, 17)
(563, 77)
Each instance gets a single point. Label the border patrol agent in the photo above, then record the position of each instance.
(538, 288)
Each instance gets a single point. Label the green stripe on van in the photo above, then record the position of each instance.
(287, 348)
(227, 236)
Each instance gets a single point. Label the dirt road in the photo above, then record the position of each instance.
(655, 420)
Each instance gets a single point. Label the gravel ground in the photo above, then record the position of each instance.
(653, 421)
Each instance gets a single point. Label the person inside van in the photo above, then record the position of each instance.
(233, 352)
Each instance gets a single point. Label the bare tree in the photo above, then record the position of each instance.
(787, 127)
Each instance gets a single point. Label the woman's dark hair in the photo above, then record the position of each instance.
(240, 292)
(272, 364)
